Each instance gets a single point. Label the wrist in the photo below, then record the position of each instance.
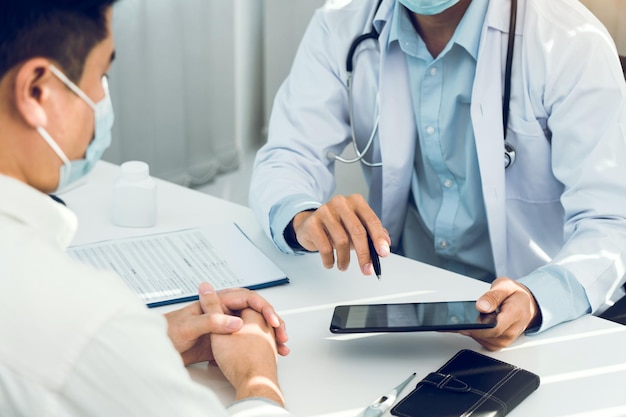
(536, 317)
(261, 386)
(290, 231)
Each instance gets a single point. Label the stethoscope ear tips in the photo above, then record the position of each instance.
(509, 155)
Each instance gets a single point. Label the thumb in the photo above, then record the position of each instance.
(209, 301)
(214, 320)
(501, 288)
(489, 301)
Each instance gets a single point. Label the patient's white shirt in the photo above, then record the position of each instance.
(75, 341)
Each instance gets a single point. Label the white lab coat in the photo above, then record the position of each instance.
(564, 199)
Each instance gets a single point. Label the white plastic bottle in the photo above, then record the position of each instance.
(134, 196)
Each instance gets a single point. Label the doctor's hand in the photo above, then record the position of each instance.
(518, 311)
(190, 327)
(337, 227)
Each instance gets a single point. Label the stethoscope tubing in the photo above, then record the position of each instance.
(509, 150)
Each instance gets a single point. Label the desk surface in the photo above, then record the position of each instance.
(582, 364)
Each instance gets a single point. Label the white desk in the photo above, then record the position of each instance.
(582, 364)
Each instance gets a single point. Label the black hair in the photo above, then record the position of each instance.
(64, 31)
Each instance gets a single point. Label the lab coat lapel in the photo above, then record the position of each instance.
(486, 113)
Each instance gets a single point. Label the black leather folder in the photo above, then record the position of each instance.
(469, 384)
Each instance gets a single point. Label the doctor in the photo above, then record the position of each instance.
(432, 100)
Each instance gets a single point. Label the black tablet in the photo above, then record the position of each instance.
(410, 317)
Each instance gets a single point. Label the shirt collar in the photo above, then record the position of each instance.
(469, 30)
(400, 25)
(467, 34)
(50, 220)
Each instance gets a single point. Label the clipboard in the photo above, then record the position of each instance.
(166, 268)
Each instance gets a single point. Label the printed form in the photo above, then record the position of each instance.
(166, 268)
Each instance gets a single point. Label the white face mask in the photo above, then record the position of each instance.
(428, 7)
(71, 171)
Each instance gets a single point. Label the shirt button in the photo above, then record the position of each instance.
(430, 130)
(443, 244)
(447, 183)
(433, 71)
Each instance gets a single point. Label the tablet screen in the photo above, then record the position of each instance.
(455, 315)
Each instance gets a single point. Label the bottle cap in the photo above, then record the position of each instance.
(135, 170)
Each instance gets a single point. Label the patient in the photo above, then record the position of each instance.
(76, 341)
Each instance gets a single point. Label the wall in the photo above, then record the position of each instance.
(172, 87)
(249, 73)
(285, 22)
(612, 13)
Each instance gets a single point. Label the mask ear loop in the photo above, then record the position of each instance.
(44, 133)
(70, 84)
(55, 147)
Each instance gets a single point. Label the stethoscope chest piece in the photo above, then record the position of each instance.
(509, 154)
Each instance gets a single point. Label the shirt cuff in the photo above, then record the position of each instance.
(282, 214)
(559, 295)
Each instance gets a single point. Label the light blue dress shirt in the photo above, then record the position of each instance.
(450, 230)
(446, 224)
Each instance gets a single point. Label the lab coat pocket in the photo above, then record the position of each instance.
(530, 178)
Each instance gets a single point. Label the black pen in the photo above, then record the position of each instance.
(374, 256)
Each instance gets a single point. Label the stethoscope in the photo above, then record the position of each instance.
(509, 150)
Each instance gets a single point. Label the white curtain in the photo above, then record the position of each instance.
(173, 87)
(193, 81)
